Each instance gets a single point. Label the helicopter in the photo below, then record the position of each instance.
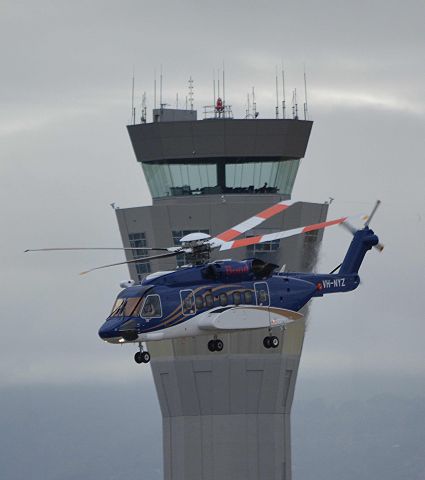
(211, 298)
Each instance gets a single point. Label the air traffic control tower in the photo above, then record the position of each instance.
(226, 415)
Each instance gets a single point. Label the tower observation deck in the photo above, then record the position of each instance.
(226, 415)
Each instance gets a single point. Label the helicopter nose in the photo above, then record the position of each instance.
(104, 332)
(109, 330)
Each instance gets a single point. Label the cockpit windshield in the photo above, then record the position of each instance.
(126, 307)
(118, 307)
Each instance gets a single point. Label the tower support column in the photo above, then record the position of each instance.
(227, 417)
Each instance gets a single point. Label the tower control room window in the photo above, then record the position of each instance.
(218, 175)
(261, 177)
(180, 179)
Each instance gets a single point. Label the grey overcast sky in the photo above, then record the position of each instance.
(65, 156)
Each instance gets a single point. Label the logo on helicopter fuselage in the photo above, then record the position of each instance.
(230, 270)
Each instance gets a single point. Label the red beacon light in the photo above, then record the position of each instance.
(219, 105)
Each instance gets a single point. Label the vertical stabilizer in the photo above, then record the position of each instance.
(363, 241)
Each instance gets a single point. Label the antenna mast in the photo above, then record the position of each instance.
(214, 97)
(294, 105)
(154, 89)
(283, 93)
(224, 94)
(254, 104)
(277, 97)
(133, 109)
(305, 97)
(160, 89)
(143, 117)
(191, 92)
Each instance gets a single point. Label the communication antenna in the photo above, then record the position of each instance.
(191, 92)
(283, 93)
(254, 104)
(160, 89)
(214, 97)
(224, 94)
(305, 97)
(247, 114)
(277, 97)
(154, 89)
(133, 109)
(186, 102)
(218, 81)
(177, 100)
(294, 105)
(143, 117)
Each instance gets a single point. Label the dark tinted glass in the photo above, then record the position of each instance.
(247, 297)
(223, 299)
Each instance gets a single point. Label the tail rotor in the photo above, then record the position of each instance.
(368, 218)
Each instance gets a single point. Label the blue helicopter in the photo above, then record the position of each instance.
(223, 296)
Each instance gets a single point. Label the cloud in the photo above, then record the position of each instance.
(334, 98)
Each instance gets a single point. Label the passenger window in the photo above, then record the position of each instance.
(152, 307)
(223, 299)
(209, 300)
(188, 302)
(199, 302)
(237, 298)
(247, 297)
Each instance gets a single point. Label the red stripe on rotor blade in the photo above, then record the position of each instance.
(228, 235)
(243, 242)
(318, 226)
(269, 212)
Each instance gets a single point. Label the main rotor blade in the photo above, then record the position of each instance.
(136, 260)
(252, 222)
(92, 248)
(279, 235)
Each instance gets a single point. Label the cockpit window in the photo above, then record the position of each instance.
(118, 307)
(125, 307)
(132, 306)
(152, 307)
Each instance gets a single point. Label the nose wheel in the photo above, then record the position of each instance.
(271, 342)
(215, 345)
(142, 356)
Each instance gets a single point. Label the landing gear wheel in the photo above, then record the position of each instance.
(219, 345)
(145, 357)
(267, 342)
(274, 342)
(138, 357)
(211, 345)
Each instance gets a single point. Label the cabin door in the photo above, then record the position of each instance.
(262, 295)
